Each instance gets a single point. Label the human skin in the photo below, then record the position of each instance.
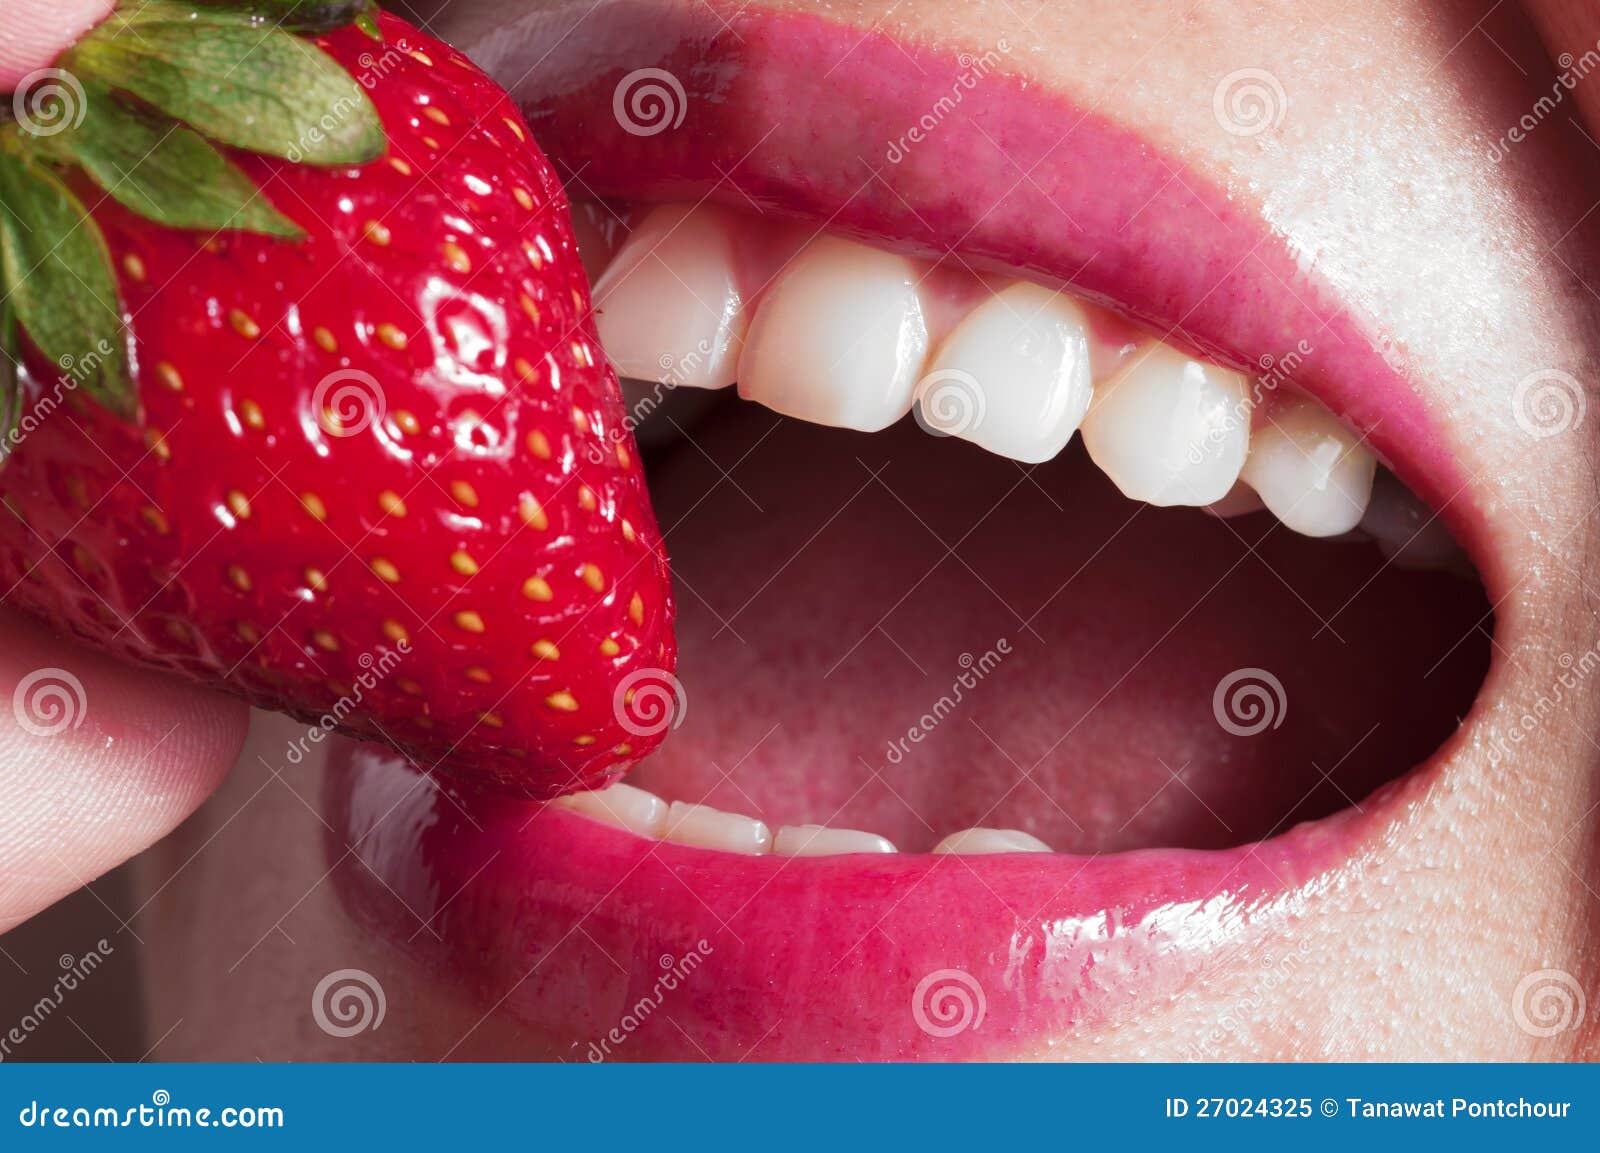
(1478, 270)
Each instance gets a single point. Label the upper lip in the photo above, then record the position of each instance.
(1076, 206)
(565, 923)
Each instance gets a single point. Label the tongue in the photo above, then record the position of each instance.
(910, 636)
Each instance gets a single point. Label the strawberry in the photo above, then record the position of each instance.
(310, 405)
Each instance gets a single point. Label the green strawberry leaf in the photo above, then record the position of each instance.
(56, 273)
(166, 172)
(305, 16)
(244, 84)
(10, 384)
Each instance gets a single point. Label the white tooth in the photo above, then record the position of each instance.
(1240, 501)
(708, 828)
(1013, 376)
(974, 842)
(1309, 469)
(820, 841)
(622, 805)
(839, 339)
(668, 307)
(1407, 531)
(1168, 429)
(598, 232)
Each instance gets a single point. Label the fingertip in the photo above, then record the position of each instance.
(34, 32)
(98, 761)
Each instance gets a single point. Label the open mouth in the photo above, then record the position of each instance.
(893, 640)
(1033, 655)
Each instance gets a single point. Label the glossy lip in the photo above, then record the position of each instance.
(566, 925)
(569, 926)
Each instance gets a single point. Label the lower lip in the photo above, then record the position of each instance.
(610, 946)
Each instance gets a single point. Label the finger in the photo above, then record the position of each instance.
(34, 32)
(97, 762)
(1569, 29)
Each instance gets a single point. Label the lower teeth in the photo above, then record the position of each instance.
(700, 826)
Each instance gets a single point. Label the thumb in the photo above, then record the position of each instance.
(34, 32)
(97, 762)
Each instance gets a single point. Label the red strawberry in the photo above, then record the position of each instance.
(374, 474)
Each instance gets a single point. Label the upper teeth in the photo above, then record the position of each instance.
(1169, 429)
(668, 306)
(1310, 470)
(842, 334)
(1034, 341)
(839, 339)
